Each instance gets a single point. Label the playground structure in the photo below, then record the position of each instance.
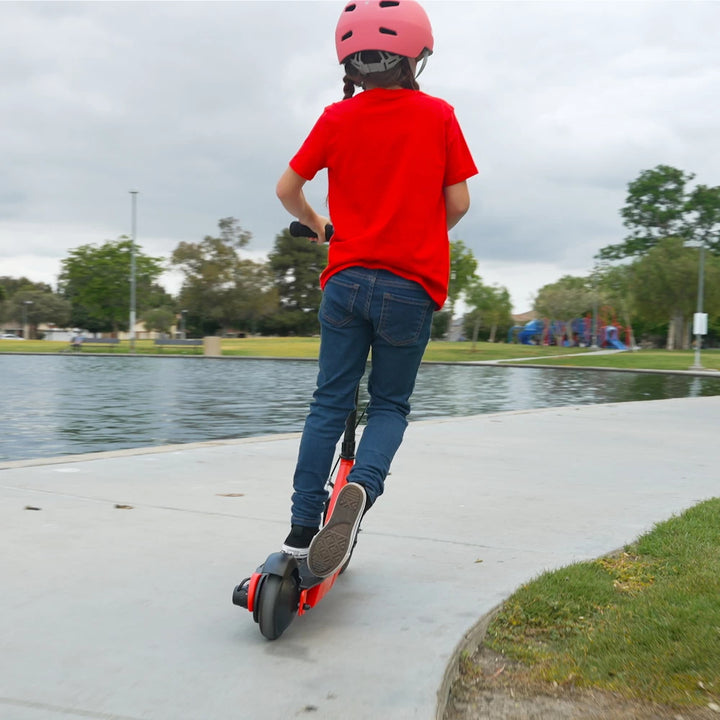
(576, 333)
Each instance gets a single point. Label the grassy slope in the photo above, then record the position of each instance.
(644, 359)
(644, 623)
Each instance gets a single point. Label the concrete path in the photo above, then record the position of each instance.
(117, 570)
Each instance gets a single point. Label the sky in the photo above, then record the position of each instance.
(199, 106)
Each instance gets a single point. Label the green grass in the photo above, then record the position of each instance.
(297, 347)
(33, 346)
(142, 347)
(275, 347)
(643, 359)
(437, 351)
(247, 347)
(441, 351)
(644, 623)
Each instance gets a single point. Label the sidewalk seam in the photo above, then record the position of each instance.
(64, 710)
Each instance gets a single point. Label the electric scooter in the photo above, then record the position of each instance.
(283, 586)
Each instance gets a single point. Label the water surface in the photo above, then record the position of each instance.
(56, 405)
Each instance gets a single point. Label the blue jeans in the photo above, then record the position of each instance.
(361, 311)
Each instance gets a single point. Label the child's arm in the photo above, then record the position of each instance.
(457, 203)
(290, 192)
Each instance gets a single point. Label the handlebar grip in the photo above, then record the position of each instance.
(297, 229)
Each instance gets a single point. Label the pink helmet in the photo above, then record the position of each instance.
(396, 26)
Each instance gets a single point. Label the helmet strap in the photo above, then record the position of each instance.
(422, 67)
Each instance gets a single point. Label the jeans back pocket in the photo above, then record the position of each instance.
(404, 320)
(338, 302)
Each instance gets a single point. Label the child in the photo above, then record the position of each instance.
(397, 168)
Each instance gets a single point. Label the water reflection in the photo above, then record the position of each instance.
(53, 405)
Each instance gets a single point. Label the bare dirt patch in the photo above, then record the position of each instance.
(492, 687)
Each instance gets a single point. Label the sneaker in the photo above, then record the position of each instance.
(332, 546)
(297, 543)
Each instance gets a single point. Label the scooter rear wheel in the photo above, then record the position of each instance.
(277, 605)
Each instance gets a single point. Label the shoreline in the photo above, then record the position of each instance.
(509, 363)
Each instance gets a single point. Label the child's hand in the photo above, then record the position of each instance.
(318, 225)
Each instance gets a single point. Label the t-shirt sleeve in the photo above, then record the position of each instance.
(312, 155)
(460, 164)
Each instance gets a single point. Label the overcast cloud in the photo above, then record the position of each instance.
(200, 105)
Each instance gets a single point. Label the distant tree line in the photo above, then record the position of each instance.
(221, 292)
(650, 279)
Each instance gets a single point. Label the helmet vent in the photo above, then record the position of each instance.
(350, 7)
(387, 31)
(389, 3)
(346, 36)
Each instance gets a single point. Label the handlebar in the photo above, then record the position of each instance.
(297, 229)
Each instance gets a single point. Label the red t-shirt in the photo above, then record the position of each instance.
(389, 154)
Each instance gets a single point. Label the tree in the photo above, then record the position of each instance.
(296, 265)
(9, 287)
(256, 296)
(490, 307)
(39, 306)
(462, 273)
(614, 286)
(160, 319)
(655, 208)
(212, 273)
(498, 311)
(22, 299)
(703, 206)
(477, 296)
(232, 233)
(660, 207)
(564, 301)
(440, 325)
(96, 281)
(665, 285)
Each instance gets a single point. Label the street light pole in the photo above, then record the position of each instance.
(26, 328)
(700, 319)
(133, 233)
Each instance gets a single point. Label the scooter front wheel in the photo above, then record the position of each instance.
(277, 605)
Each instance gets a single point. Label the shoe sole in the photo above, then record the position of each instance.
(332, 546)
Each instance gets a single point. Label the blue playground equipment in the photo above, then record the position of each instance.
(529, 334)
(612, 338)
(578, 332)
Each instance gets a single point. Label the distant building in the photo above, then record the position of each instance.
(525, 317)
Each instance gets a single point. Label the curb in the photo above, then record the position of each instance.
(711, 373)
(472, 639)
(142, 450)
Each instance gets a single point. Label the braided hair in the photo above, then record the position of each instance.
(400, 75)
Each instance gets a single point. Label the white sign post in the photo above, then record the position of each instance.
(700, 324)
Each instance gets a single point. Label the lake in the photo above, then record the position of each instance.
(56, 405)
